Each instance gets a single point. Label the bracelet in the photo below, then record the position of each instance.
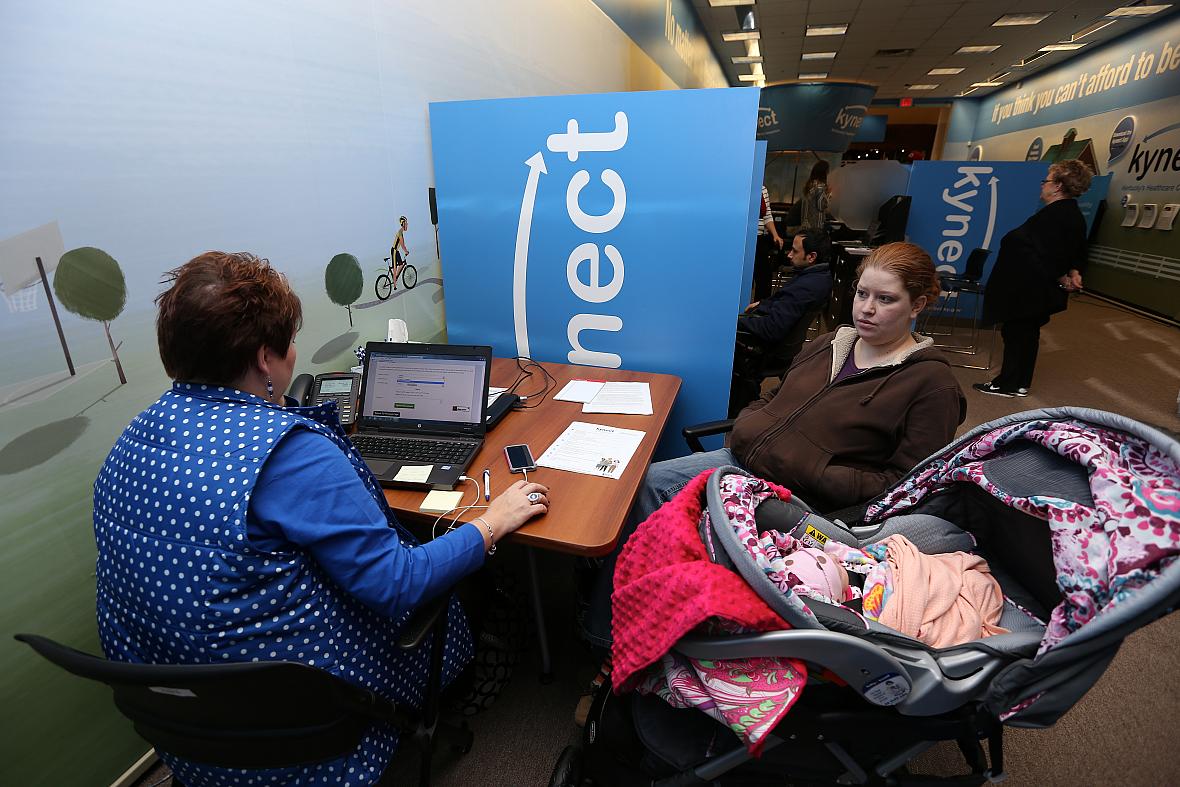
(491, 534)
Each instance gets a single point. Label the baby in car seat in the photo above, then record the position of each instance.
(819, 575)
(942, 600)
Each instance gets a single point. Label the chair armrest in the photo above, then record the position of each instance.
(693, 434)
(422, 621)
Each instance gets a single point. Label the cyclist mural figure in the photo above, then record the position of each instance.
(387, 282)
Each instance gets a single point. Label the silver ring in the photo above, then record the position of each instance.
(534, 497)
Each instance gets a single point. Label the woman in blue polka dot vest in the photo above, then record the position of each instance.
(210, 548)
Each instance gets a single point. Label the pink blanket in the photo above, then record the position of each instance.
(665, 586)
(942, 600)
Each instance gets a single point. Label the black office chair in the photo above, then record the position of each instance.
(265, 714)
(753, 361)
(954, 286)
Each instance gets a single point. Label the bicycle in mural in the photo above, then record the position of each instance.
(396, 265)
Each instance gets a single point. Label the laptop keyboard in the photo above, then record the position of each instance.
(413, 449)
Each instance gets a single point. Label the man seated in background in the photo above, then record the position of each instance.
(769, 331)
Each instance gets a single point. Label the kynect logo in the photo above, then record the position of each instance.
(767, 121)
(1157, 158)
(849, 119)
(961, 204)
(590, 289)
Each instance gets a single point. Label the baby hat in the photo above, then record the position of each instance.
(819, 573)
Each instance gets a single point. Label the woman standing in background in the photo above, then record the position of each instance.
(816, 196)
(1036, 270)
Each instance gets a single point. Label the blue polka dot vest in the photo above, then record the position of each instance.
(178, 581)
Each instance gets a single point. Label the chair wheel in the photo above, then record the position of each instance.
(463, 745)
(568, 771)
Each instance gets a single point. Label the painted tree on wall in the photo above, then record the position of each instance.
(90, 283)
(344, 281)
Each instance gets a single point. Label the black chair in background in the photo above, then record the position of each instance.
(892, 217)
(954, 287)
(265, 714)
(754, 361)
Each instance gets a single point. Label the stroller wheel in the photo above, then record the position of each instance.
(568, 771)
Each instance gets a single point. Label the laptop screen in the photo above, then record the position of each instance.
(434, 389)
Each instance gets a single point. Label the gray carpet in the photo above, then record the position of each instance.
(1094, 355)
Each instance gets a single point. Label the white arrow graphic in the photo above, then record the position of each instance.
(520, 265)
(991, 216)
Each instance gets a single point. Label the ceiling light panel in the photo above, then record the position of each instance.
(923, 87)
(1014, 20)
(938, 72)
(750, 77)
(741, 35)
(817, 55)
(723, 3)
(1060, 47)
(977, 50)
(738, 61)
(986, 84)
(1140, 10)
(827, 30)
(817, 75)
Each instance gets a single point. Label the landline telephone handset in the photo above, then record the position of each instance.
(342, 387)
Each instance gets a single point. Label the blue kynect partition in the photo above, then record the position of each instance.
(959, 206)
(755, 219)
(607, 230)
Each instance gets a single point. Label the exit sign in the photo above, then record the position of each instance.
(906, 102)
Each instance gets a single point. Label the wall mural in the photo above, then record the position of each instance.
(138, 135)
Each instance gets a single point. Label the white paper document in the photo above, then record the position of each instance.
(580, 390)
(624, 398)
(414, 474)
(593, 449)
(494, 392)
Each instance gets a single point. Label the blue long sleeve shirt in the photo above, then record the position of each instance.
(308, 495)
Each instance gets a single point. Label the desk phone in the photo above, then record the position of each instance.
(341, 387)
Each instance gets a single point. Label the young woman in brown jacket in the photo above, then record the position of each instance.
(861, 406)
(855, 412)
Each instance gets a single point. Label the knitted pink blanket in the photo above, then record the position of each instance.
(665, 586)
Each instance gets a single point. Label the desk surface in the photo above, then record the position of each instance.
(586, 513)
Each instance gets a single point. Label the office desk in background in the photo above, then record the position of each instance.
(586, 513)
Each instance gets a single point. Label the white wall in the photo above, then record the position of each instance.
(157, 130)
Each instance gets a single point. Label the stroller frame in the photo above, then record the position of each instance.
(964, 693)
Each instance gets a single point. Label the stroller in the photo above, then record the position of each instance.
(1077, 513)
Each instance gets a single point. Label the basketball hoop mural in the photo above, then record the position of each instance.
(90, 283)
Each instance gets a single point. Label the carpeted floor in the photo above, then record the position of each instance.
(1094, 355)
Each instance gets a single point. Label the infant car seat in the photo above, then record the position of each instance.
(1077, 513)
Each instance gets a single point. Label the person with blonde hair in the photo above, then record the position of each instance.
(1037, 268)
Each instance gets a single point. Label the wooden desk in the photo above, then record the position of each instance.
(586, 513)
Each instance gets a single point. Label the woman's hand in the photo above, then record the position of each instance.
(513, 508)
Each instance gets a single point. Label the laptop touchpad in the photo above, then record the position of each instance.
(380, 467)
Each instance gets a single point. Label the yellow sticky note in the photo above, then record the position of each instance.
(414, 474)
(440, 501)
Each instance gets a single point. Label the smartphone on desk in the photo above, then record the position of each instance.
(340, 387)
(520, 458)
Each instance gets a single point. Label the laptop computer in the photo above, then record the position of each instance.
(422, 412)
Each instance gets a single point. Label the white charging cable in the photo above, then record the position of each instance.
(461, 509)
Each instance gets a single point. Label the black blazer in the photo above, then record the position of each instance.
(1023, 283)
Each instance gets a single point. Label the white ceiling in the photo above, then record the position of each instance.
(934, 29)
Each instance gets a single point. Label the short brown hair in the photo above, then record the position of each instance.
(220, 308)
(1072, 175)
(908, 262)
